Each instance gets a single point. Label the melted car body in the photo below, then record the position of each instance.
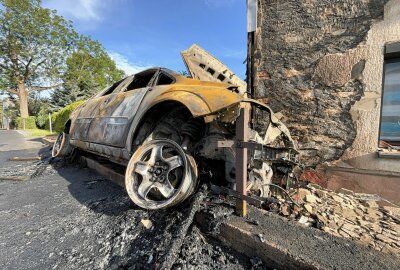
(167, 129)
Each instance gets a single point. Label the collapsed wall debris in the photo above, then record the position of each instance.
(356, 216)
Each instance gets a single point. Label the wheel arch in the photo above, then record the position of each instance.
(67, 126)
(140, 127)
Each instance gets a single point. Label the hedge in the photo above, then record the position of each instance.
(30, 122)
(58, 119)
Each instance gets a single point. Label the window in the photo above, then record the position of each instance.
(221, 77)
(211, 71)
(141, 80)
(390, 115)
(164, 79)
(111, 88)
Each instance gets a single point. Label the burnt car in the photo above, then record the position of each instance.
(165, 128)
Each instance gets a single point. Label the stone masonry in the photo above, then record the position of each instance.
(310, 57)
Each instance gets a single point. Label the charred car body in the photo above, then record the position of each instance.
(166, 128)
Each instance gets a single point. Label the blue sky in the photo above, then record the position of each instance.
(143, 33)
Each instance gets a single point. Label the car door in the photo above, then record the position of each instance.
(87, 112)
(116, 112)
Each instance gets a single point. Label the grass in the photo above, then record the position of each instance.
(39, 132)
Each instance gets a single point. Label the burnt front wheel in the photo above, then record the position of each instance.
(160, 175)
(61, 147)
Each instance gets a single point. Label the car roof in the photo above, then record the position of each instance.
(166, 70)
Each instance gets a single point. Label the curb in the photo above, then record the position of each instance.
(284, 244)
(48, 141)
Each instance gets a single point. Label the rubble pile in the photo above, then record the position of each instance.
(352, 215)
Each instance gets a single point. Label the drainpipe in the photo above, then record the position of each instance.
(251, 28)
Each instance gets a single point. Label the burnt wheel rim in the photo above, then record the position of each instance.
(58, 145)
(159, 175)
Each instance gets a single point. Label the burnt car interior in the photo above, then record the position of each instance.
(141, 80)
(164, 79)
(111, 88)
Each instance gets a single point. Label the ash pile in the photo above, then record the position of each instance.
(356, 216)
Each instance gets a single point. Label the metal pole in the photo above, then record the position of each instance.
(2, 114)
(4, 120)
(242, 134)
(51, 127)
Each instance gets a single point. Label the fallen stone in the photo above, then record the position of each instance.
(303, 220)
(346, 233)
(261, 237)
(337, 198)
(370, 204)
(285, 210)
(311, 198)
(301, 194)
(308, 207)
(147, 223)
(349, 214)
(350, 227)
(323, 219)
(383, 238)
(346, 191)
(392, 210)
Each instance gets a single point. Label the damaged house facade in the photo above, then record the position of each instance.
(333, 69)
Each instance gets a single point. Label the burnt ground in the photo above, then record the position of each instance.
(69, 217)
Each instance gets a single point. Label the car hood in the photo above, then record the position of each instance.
(205, 67)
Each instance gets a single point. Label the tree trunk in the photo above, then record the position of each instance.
(23, 100)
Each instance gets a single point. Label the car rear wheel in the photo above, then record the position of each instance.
(61, 146)
(160, 174)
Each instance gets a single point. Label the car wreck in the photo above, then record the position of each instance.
(168, 130)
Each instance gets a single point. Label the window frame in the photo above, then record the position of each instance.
(104, 91)
(163, 72)
(391, 55)
(149, 84)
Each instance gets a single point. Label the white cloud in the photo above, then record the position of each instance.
(81, 10)
(123, 63)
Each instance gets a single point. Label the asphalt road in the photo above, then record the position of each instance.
(68, 217)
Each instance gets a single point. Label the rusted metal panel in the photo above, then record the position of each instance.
(242, 134)
(201, 100)
(111, 124)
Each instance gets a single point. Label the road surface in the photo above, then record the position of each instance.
(68, 217)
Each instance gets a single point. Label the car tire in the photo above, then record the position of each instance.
(62, 147)
(160, 174)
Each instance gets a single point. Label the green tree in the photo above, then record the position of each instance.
(42, 116)
(34, 43)
(88, 70)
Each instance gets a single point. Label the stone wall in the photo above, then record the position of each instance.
(320, 63)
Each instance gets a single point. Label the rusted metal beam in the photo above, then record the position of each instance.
(242, 135)
(105, 170)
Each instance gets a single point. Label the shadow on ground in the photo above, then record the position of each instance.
(129, 244)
